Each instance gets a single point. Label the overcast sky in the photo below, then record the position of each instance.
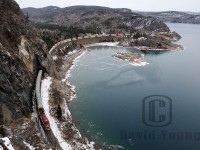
(144, 5)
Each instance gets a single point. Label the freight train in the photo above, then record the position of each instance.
(43, 118)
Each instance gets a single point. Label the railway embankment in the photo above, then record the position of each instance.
(60, 92)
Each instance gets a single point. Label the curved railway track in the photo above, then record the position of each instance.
(38, 101)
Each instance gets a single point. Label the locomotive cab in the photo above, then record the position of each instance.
(45, 121)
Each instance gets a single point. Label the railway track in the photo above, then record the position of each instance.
(52, 140)
(49, 136)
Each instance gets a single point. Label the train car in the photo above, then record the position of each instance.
(58, 43)
(120, 35)
(45, 121)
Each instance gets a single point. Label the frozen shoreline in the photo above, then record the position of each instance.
(68, 75)
(72, 58)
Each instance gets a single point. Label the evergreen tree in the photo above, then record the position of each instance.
(59, 112)
(137, 35)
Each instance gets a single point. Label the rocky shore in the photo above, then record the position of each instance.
(160, 41)
(132, 57)
(61, 93)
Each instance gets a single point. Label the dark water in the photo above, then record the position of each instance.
(113, 107)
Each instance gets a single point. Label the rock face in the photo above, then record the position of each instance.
(95, 18)
(22, 53)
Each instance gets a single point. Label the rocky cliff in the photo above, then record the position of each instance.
(22, 53)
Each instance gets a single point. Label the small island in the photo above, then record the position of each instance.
(132, 57)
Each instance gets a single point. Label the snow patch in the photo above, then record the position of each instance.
(91, 145)
(72, 52)
(7, 143)
(55, 57)
(142, 63)
(103, 44)
(8, 54)
(29, 146)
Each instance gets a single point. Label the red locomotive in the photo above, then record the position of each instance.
(44, 119)
(120, 34)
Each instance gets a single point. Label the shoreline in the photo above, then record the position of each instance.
(141, 48)
(64, 128)
(145, 48)
(69, 62)
(68, 75)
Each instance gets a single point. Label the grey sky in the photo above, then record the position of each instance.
(144, 5)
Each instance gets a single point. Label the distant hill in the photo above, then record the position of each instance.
(174, 16)
(103, 19)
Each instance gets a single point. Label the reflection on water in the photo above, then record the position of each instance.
(130, 76)
(149, 52)
(154, 52)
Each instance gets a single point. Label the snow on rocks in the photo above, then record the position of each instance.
(72, 66)
(6, 142)
(29, 146)
(68, 74)
(142, 63)
(55, 57)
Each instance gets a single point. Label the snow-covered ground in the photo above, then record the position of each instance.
(6, 143)
(45, 86)
(104, 44)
